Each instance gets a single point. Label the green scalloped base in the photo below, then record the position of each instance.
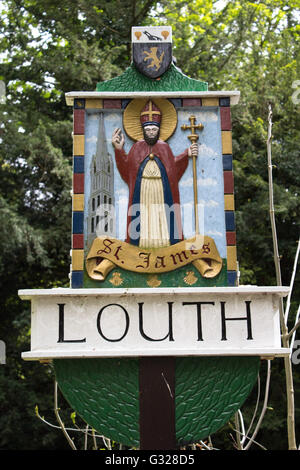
(132, 80)
(105, 393)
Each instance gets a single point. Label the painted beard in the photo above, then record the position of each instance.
(150, 140)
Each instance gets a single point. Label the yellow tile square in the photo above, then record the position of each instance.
(93, 103)
(210, 101)
(229, 202)
(78, 144)
(78, 202)
(77, 260)
(231, 258)
(226, 142)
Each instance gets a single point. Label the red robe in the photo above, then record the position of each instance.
(129, 164)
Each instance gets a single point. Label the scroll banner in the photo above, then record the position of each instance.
(106, 253)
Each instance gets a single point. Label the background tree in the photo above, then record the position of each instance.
(48, 48)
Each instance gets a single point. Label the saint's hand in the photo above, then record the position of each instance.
(193, 150)
(117, 139)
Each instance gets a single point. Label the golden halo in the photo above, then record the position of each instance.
(131, 118)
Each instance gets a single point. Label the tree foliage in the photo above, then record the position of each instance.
(48, 48)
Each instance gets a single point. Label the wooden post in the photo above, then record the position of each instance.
(157, 403)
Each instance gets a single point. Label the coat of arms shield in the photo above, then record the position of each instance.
(152, 50)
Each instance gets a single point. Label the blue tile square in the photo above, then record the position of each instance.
(77, 222)
(231, 278)
(177, 102)
(78, 166)
(79, 103)
(227, 162)
(224, 101)
(76, 279)
(229, 221)
(124, 103)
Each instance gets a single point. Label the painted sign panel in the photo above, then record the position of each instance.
(111, 212)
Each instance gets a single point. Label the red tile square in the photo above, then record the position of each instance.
(191, 102)
(225, 119)
(228, 182)
(78, 119)
(231, 238)
(112, 104)
(78, 183)
(77, 241)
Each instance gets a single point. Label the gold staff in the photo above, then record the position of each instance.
(193, 138)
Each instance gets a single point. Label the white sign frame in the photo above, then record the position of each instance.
(94, 323)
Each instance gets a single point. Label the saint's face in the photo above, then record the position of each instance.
(151, 134)
(151, 131)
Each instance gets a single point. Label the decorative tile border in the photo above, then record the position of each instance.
(79, 111)
(229, 207)
(227, 98)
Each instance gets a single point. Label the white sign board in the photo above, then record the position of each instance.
(78, 323)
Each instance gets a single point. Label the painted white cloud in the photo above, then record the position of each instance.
(121, 191)
(207, 116)
(122, 200)
(93, 116)
(201, 182)
(112, 117)
(92, 139)
(214, 233)
(186, 182)
(210, 203)
(206, 151)
(207, 182)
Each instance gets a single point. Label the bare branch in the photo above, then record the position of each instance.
(56, 409)
(267, 387)
(255, 411)
(239, 433)
(295, 327)
(284, 331)
(271, 200)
